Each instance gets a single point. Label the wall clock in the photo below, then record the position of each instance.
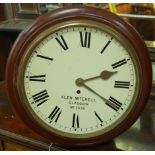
(79, 76)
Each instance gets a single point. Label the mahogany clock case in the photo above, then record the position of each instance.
(69, 14)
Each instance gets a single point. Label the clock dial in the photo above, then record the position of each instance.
(80, 81)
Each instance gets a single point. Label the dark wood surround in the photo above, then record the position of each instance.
(68, 14)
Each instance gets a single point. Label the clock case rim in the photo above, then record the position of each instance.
(79, 13)
(45, 34)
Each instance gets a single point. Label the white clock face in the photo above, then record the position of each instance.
(80, 81)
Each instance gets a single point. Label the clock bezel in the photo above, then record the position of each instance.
(69, 14)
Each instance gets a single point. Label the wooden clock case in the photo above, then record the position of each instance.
(68, 14)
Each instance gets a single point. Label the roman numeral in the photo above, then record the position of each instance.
(40, 97)
(55, 114)
(122, 84)
(98, 118)
(85, 39)
(39, 78)
(75, 121)
(62, 42)
(119, 63)
(44, 57)
(114, 104)
(107, 44)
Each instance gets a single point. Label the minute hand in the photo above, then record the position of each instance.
(80, 82)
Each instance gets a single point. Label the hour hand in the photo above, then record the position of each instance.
(105, 75)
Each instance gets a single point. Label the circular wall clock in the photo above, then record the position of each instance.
(79, 76)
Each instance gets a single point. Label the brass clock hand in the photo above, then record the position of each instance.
(105, 75)
(80, 82)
